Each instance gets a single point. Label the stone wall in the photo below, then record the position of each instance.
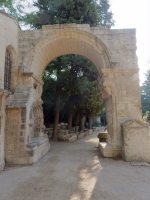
(112, 51)
(9, 39)
(9, 33)
(121, 45)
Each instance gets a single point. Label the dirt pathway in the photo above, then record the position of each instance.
(76, 171)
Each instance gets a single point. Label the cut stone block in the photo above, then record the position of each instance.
(103, 136)
(73, 138)
(68, 137)
(81, 135)
(106, 149)
(136, 141)
(90, 131)
(35, 150)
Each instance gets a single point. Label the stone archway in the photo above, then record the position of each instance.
(116, 75)
(62, 42)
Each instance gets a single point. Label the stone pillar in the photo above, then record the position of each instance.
(3, 96)
(13, 130)
(121, 92)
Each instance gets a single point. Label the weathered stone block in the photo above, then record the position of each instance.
(136, 141)
(73, 138)
(86, 132)
(102, 136)
(81, 135)
(106, 149)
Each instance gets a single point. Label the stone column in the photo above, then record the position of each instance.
(121, 92)
(3, 96)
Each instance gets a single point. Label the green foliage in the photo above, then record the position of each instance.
(102, 115)
(91, 104)
(145, 116)
(106, 17)
(70, 11)
(48, 12)
(75, 78)
(96, 124)
(13, 8)
(145, 95)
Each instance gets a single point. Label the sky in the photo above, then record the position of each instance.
(135, 14)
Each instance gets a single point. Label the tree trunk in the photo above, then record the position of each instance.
(81, 123)
(90, 122)
(57, 108)
(70, 115)
(76, 121)
(56, 118)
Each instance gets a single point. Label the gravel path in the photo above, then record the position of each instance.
(76, 171)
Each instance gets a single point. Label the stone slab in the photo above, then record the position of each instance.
(73, 138)
(106, 149)
(136, 141)
(81, 135)
(139, 164)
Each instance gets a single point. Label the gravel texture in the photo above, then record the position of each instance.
(76, 171)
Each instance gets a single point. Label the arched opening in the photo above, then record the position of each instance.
(71, 94)
(64, 42)
(10, 69)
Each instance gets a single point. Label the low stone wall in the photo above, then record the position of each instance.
(64, 136)
(34, 151)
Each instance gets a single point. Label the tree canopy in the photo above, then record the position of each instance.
(70, 11)
(145, 95)
(13, 8)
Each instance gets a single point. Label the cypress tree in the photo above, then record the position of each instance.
(70, 11)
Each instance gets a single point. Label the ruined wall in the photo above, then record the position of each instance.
(9, 31)
(121, 44)
(8, 39)
(112, 51)
(120, 84)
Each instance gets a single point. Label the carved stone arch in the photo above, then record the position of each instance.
(61, 42)
(37, 118)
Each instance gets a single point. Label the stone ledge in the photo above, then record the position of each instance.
(38, 148)
(36, 142)
(63, 26)
(73, 137)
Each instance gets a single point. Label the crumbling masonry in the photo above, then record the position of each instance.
(22, 139)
